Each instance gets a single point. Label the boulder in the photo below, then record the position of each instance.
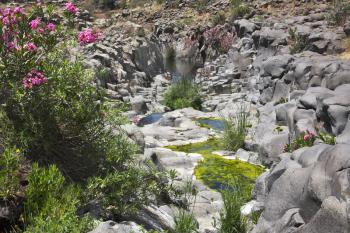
(113, 227)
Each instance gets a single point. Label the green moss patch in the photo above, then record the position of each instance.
(206, 147)
(217, 172)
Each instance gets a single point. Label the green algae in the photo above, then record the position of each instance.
(212, 144)
(217, 172)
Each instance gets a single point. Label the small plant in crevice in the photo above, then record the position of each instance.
(183, 93)
(185, 222)
(339, 13)
(231, 220)
(305, 139)
(219, 18)
(238, 9)
(298, 42)
(235, 130)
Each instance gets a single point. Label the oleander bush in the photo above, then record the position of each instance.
(51, 109)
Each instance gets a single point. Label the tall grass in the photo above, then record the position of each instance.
(185, 222)
(183, 93)
(235, 130)
(231, 219)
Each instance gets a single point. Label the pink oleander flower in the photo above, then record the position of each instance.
(70, 7)
(51, 27)
(41, 30)
(89, 36)
(11, 45)
(135, 120)
(7, 11)
(6, 20)
(34, 23)
(307, 137)
(30, 46)
(34, 78)
(18, 10)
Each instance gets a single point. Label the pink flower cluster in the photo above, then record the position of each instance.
(309, 135)
(9, 15)
(189, 43)
(35, 25)
(89, 36)
(30, 46)
(71, 8)
(219, 37)
(34, 78)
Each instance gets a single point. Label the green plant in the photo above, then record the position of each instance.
(339, 13)
(160, 2)
(305, 139)
(51, 204)
(298, 42)
(231, 219)
(327, 138)
(219, 18)
(10, 163)
(185, 222)
(235, 130)
(183, 93)
(238, 9)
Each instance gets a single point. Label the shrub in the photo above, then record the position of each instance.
(183, 93)
(231, 219)
(219, 38)
(339, 13)
(63, 119)
(235, 130)
(51, 205)
(219, 18)
(185, 222)
(238, 9)
(305, 139)
(298, 42)
(10, 164)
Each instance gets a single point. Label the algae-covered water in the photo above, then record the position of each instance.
(217, 172)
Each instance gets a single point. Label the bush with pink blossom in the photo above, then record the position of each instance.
(219, 38)
(59, 116)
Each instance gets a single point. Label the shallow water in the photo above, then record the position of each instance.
(216, 124)
(150, 119)
(181, 68)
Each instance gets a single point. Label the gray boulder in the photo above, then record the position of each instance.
(113, 227)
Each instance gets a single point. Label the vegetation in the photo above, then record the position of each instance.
(298, 42)
(183, 93)
(219, 18)
(10, 164)
(307, 139)
(339, 13)
(235, 130)
(51, 110)
(238, 9)
(185, 222)
(51, 204)
(231, 219)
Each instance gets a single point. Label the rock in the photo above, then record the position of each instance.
(312, 198)
(344, 137)
(309, 99)
(153, 217)
(244, 27)
(113, 227)
(139, 105)
(276, 66)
